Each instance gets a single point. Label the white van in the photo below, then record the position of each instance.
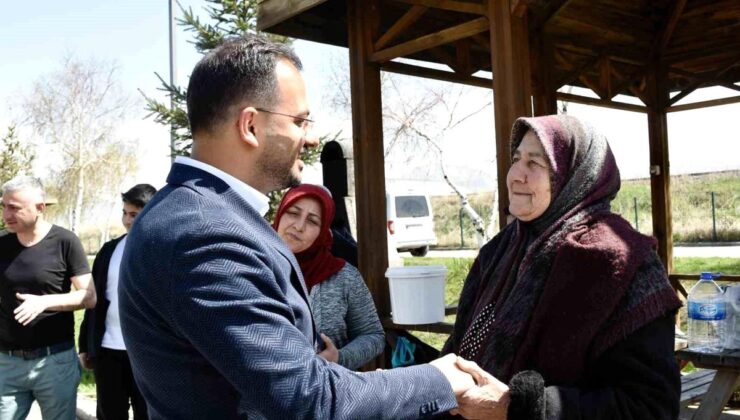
(410, 222)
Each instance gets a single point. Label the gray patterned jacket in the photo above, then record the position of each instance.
(344, 310)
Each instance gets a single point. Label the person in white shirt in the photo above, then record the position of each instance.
(101, 343)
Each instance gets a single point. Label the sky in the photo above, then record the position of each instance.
(133, 34)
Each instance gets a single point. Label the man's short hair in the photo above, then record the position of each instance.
(237, 71)
(24, 182)
(139, 195)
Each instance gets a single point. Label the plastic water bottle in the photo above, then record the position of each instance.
(707, 312)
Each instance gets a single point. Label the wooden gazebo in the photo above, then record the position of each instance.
(658, 51)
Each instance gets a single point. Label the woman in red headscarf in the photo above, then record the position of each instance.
(340, 301)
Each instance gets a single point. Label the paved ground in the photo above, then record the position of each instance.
(85, 410)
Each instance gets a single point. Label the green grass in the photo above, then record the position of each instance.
(87, 381)
(457, 270)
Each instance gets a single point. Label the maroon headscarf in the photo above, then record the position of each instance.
(552, 294)
(317, 262)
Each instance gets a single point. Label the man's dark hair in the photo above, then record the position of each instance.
(139, 195)
(240, 69)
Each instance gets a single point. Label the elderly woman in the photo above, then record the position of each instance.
(340, 301)
(568, 305)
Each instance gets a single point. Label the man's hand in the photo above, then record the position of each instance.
(32, 306)
(488, 400)
(459, 380)
(330, 353)
(86, 361)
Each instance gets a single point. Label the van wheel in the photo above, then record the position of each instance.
(420, 252)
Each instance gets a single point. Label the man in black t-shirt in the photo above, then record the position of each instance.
(39, 262)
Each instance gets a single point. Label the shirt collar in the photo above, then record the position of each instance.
(259, 201)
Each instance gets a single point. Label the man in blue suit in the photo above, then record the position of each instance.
(213, 306)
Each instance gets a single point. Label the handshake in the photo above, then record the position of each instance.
(479, 395)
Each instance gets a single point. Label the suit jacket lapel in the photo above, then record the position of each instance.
(208, 183)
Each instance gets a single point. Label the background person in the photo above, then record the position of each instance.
(214, 310)
(101, 343)
(39, 263)
(341, 303)
(568, 305)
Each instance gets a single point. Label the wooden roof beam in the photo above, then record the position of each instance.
(273, 12)
(702, 81)
(575, 74)
(519, 8)
(462, 55)
(450, 5)
(665, 36)
(605, 79)
(483, 41)
(552, 8)
(445, 76)
(426, 42)
(408, 19)
(600, 102)
(575, 49)
(704, 104)
(595, 87)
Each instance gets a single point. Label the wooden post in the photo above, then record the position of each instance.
(543, 85)
(367, 133)
(511, 85)
(660, 173)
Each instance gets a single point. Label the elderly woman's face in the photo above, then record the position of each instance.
(300, 225)
(528, 180)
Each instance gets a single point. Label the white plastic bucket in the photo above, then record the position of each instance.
(417, 294)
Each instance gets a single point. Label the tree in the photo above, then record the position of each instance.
(416, 120)
(75, 110)
(16, 158)
(226, 18)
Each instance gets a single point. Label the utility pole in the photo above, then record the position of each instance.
(173, 75)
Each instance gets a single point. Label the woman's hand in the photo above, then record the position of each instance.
(488, 400)
(330, 353)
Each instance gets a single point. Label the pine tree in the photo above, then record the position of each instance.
(227, 18)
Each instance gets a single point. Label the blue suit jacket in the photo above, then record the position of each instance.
(217, 325)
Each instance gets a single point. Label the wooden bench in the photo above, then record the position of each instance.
(695, 385)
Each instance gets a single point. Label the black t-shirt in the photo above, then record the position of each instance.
(42, 269)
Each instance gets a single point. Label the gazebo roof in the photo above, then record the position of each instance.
(602, 45)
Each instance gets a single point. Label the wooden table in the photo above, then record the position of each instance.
(727, 379)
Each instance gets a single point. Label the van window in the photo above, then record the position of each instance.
(411, 206)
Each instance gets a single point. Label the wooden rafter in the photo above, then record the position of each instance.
(462, 56)
(594, 86)
(600, 102)
(408, 19)
(605, 79)
(451, 5)
(426, 42)
(627, 82)
(519, 8)
(446, 76)
(665, 36)
(552, 8)
(575, 74)
(483, 41)
(702, 81)
(704, 104)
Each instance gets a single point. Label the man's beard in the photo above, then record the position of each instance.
(279, 172)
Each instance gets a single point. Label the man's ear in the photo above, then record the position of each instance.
(41, 207)
(246, 126)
